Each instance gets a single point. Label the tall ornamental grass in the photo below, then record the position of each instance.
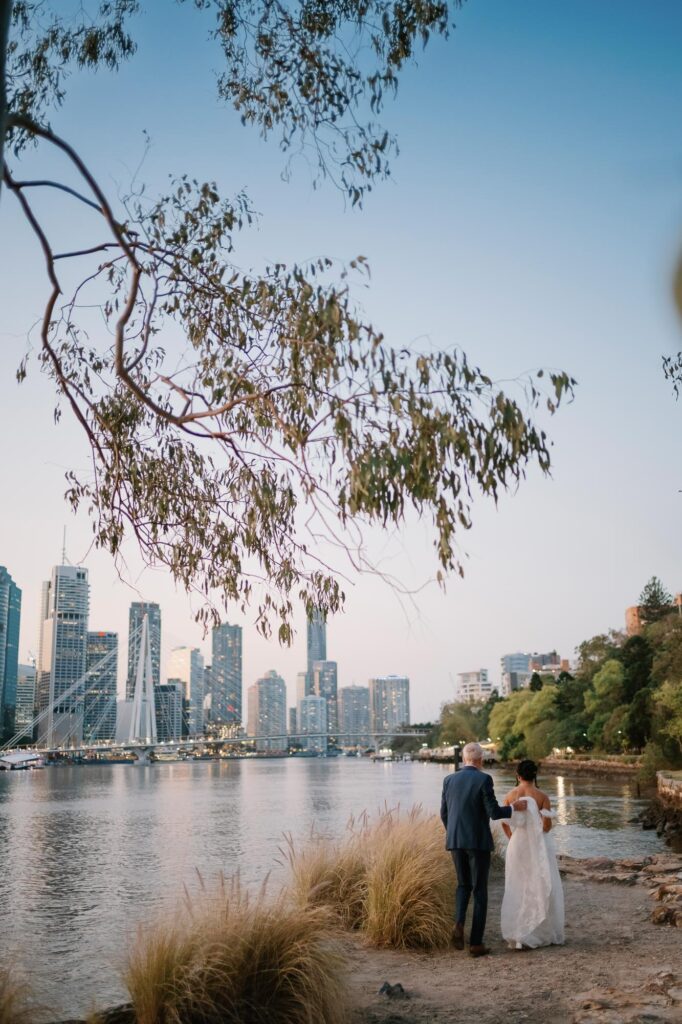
(332, 874)
(392, 879)
(232, 960)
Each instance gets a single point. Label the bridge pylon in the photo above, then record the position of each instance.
(143, 717)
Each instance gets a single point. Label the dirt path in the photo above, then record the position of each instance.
(610, 942)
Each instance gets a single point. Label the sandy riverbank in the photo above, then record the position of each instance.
(610, 942)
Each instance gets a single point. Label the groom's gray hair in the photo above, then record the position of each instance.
(472, 752)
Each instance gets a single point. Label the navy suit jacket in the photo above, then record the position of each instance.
(467, 805)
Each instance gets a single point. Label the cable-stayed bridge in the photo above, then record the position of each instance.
(141, 733)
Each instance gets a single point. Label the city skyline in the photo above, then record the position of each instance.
(294, 684)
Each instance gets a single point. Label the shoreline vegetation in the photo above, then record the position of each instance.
(619, 711)
(362, 928)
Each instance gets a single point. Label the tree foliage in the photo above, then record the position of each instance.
(459, 723)
(535, 683)
(654, 602)
(625, 696)
(281, 416)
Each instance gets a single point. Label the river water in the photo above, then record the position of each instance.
(87, 853)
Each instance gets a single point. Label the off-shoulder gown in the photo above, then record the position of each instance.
(533, 903)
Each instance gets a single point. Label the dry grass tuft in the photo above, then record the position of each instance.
(332, 875)
(233, 961)
(393, 879)
(410, 884)
(15, 1007)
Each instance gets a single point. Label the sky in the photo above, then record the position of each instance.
(533, 218)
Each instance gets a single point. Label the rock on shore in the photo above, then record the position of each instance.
(663, 816)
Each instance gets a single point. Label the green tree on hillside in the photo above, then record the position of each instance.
(459, 722)
(607, 690)
(604, 705)
(665, 639)
(503, 727)
(535, 683)
(638, 721)
(536, 720)
(594, 652)
(636, 658)
(654, 602)
(278, 415)
(669, 705)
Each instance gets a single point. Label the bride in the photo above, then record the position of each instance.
(533, 904)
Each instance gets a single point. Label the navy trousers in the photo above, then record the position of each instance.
(472, 867)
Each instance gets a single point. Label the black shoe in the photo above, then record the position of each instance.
(458, 936)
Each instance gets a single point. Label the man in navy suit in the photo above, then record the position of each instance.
(467, 805)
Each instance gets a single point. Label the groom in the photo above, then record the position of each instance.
(467, 804)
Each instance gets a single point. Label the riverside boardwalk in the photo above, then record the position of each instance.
(616, 966)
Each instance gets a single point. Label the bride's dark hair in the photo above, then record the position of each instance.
(527, 770)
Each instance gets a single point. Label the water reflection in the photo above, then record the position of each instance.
(88, 853)
(594, 815)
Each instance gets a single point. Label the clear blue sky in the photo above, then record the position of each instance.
(534, 217)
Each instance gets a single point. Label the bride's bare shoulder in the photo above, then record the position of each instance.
(511, 795)
(544, 801)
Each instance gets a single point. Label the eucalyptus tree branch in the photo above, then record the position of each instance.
(5, 19)
(234, 416)
(46, 183)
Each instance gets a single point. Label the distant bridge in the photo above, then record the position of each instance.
(143, 748)
(141, 736)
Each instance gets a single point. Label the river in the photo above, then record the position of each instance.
(86, 853)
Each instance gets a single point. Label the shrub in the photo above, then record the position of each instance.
(653, 759)
(233, 960)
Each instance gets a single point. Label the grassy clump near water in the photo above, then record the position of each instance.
(233, 960)
(392, 879)
(226, 958)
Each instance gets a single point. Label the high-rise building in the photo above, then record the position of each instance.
(138, 610)
(545, 662)
(26, 702)
(312, 718)
(293, 722)
(317, 640)
(186, 665)
(304, 686)
(168, 705)
(389, 703)
(473, 687)
(226, 674)
(62, 656)
(208, 692)
(267, 712)
(325, 677)
(10, 616)
(354, 716)
(516, 672)
(518, 668)
(99, 710)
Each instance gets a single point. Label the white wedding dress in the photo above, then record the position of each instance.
(533, 903)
